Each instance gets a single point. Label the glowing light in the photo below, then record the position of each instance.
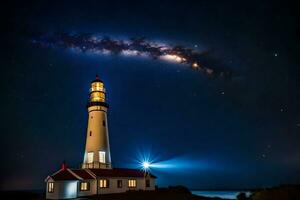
(146, 165)
(103, 183)
(145, 160)
(84, 186)
(183, 164)
(172, 57)
(195, 65)
(102, 156)
(90, 157)
(132, 183)
(50, 187)
(71, 189)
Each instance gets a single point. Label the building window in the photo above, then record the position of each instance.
(104, 123)
(90, 157)
(103, 183)
(102, 156)
(119, 183)
(50, 187)
(147, 183)
(132, 183)
(84, 186)
(90, 133)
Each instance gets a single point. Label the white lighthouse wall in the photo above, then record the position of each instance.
(63, 190)
(97, 134)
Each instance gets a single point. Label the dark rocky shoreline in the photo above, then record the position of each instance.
(172, 193)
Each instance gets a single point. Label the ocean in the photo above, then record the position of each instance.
(221, 194)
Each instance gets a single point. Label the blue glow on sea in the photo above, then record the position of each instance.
(220, 194)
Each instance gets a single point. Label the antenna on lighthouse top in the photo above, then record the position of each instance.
(97, 79)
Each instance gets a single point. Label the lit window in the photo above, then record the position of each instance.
(119, 183)
(147, 183)
(97, 97)
(132, 183)
(50, 187)
(84, 186)
(102, 156)
(103, 183)
(97, 87)
(90, 157)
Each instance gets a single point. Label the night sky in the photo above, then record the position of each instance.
(206, 132)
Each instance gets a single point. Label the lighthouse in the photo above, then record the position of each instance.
(96, 175)
(97, 151)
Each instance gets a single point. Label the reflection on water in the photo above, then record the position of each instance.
(220, 194)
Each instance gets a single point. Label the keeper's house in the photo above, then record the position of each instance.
(72, 183)
(96, 175)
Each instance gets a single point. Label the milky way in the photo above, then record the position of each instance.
(91, 43)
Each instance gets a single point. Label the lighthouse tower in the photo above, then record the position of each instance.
(97, 152)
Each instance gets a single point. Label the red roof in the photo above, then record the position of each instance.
(79, 174)
(63, 175)
(82, 173)
(119, 172)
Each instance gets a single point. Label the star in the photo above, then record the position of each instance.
(275, 54)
